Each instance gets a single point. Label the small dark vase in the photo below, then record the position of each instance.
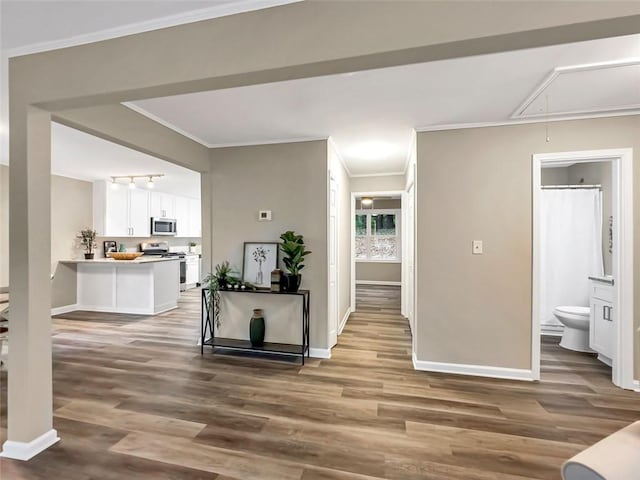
(256, 328)
(89, 256)
(291, 283)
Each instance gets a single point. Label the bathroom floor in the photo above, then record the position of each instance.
(560, 365)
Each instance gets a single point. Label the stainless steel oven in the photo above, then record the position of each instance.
(163, 226)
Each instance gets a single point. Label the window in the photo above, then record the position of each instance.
(378, 235)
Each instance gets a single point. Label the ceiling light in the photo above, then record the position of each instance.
(366, 201)
(132, 180)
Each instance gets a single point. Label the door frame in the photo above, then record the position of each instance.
(333, 316)
(622, 209)
(355, 195)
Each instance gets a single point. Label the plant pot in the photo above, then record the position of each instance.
(256, 328)
(89, 256)
(291, 283)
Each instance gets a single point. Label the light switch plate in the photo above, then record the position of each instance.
(264, 216)
(476, 248)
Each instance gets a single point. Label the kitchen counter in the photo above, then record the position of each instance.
(145, 286)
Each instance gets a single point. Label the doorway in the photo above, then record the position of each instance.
(584, 199)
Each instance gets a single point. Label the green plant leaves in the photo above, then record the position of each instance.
(293, 248)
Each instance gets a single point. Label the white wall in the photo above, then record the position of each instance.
(71, 211)
(476, 309)
(290, 180)
(378, 183)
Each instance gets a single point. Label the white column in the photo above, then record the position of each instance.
(30, 396)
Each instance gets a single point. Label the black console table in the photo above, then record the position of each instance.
(208, 336)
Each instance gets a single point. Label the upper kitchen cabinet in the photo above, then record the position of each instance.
(195, 217)
(139, 218)
(182, 216)
(163, 205)
(121, 212)
(188, 217)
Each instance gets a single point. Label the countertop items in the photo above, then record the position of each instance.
(138, 261)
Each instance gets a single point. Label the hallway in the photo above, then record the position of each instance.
(135, 400)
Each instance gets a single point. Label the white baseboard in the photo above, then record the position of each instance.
(636, 385)
(320, 352)
(64, 309)
(343, 322)
(127, 311)
(378, 282)
(26, 451)
(474, 370)
(606, 360)
(164, 308)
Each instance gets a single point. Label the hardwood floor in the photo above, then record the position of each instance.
(134, 399)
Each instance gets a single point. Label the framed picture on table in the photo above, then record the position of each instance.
(259, 259)
(109, 247)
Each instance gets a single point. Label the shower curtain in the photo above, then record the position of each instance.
(571, 248)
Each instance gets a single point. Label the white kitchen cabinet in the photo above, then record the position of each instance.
(603, 316)
(162, 205)
(139, 217)
(182, 216)
(121, 212)
(192, 270)
(127, 213)
(114, 213)
(195, 217)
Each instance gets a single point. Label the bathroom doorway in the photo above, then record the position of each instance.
(582, 301)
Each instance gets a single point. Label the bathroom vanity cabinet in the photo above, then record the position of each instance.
(603, 313)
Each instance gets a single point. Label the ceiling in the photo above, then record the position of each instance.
(79, 155)
(28, 26)
(37, 25)
(370, 115)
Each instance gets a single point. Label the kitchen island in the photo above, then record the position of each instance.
(145, 286)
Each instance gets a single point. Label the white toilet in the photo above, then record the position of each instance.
(576, 327)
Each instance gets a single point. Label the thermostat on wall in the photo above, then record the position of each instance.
(264, 216)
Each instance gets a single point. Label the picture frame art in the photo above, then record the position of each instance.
(258, 260)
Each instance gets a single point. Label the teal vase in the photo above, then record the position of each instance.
(256, 328)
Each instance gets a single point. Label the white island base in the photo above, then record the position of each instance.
(139, 287)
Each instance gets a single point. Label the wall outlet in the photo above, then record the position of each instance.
(264, 216)
(476, 248)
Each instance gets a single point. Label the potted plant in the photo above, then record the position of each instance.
(87, 239)
(294, 252)
(192, 247)
(223, 276)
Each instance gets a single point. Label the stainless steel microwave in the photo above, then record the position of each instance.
(163, 226)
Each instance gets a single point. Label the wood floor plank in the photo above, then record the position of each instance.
(134, 400)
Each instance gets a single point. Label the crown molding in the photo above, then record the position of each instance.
(204, 143)
(239, 6)
(412, 145)
(267, 142)
(164, 123)
(504, 123)
(556, 72)
(390, 174)
(340, 157)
